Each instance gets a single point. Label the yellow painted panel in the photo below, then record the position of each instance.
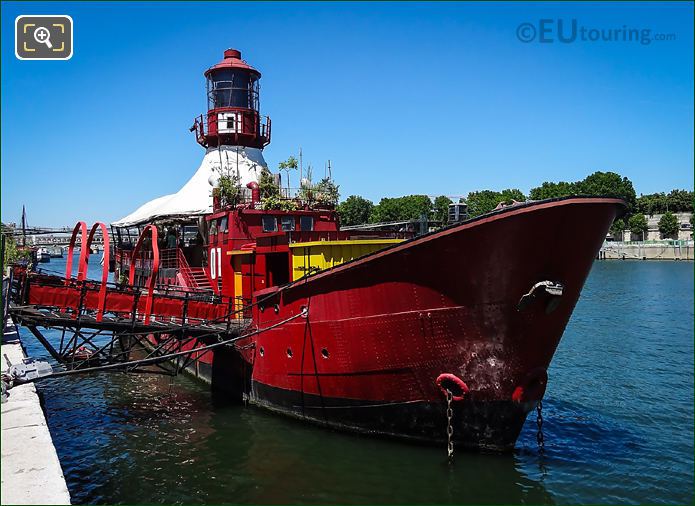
(238, 302)
(316, 256)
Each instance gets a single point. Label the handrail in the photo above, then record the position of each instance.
(81, 266)
(105, 267)
(185, 269)
(261, 125)
(155, 267)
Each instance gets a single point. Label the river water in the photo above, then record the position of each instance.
(618, 424)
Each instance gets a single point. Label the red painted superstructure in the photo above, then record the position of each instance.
(378, 324)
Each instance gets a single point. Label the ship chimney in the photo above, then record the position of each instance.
(255, 193)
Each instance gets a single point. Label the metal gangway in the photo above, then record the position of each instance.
(103, 323)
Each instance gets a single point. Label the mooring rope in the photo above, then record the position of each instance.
(162, 358)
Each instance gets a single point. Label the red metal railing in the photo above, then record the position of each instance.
(185, 269)
(170, 259)
(80, 297)
(240, 124)
(343, 235)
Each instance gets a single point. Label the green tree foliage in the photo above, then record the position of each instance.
(327, 192)
(230, 189)
(288, 165)
(267, 184)
(441, 209)
(680, 201)
(484, 201)
(604, 184)
(12, 252)
(677, 201)
(608, 184)
(653, 203)
(550, 190)
(355, 210)
(637, 224)
(270, 193)
(512, 195)
(410, 207)
(668, 225)
(275, 202)
(617, 229)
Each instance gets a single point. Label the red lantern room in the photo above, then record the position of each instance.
(233, 117)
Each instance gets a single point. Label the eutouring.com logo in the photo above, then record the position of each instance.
(568, 31)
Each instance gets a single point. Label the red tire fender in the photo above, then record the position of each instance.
(533, 386)
(447, 381)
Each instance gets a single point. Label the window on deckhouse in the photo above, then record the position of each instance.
(287, 223)
(269, 223)
(306, 223)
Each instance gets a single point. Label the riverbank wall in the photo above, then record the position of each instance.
(31, 472)
(647, 250)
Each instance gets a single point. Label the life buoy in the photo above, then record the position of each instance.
(533, 387)
(454, 384)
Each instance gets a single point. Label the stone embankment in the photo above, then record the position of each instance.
(647, 250)
(31, 472)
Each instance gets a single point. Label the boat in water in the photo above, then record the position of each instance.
(377, 332)
(43, 255)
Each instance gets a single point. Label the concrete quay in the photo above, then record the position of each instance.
(647, 250)
(31, 472)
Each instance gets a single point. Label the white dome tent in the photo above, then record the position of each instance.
(195, 197)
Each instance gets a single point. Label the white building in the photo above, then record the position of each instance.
(685, 229)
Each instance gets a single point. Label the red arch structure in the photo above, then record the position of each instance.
(105, 267)
(81, 226)
(155, 267)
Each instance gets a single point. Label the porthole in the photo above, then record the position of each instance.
(261, 351)
(324, 353)
(289, 352)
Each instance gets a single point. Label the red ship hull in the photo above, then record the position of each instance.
(364, 346)
(381, 329)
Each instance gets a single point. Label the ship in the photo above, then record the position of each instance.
(441, 335)
(43, 255)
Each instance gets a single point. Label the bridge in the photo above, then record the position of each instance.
(48, 236)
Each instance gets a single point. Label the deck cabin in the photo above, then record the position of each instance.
(238, 251)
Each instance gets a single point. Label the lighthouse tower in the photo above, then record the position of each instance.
(233, 133)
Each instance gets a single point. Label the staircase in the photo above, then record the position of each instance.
(198, 276)
(192, 277)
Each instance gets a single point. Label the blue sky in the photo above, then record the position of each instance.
(438, 98)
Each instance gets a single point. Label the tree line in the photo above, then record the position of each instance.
(357, 210)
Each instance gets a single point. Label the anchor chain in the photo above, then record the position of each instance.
(539, 423)
(449, 426)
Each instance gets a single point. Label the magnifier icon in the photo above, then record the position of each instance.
(43, 36)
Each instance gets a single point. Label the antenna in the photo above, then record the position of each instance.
(301, 166)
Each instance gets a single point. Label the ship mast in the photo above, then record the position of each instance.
(24, 226)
